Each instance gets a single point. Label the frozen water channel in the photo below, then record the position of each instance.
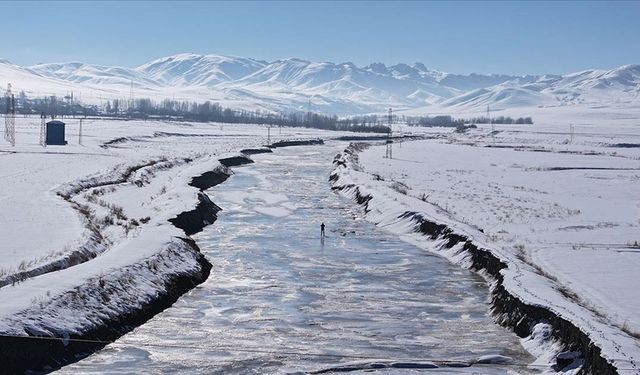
(278, 300)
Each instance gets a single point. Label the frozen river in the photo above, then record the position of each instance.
(279, 300)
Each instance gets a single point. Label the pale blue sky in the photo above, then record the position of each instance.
(462, 37)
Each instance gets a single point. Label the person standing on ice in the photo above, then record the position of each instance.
(322, 231)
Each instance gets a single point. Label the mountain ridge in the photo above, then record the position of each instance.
(340, 88)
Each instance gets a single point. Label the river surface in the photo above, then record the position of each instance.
(280, 300)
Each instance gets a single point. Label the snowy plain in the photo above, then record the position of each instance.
(561, 209)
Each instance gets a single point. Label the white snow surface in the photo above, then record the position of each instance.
(122, 223)
(563, 212)
(337, 88)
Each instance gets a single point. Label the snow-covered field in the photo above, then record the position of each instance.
(82, 217)
(562, 210)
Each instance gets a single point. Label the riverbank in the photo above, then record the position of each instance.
(402, 195)
(150, 270)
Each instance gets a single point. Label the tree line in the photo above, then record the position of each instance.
(449, 121)
(501, 120)
(168, 109)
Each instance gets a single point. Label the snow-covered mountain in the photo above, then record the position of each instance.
(590, 87)
(190, 69)
(77, 72)
(341, 88)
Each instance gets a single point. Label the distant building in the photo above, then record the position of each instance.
(55, 133)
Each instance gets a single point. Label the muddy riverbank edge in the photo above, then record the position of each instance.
(508, 309)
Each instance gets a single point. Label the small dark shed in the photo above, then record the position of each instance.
(55, 133)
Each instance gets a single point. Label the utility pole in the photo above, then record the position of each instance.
(131, 96)
(80, 134)
(268, 135)
(493, 130)
(571, 130)
(10, 118)
(43, 130)
(6, 112)
(389, 151)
